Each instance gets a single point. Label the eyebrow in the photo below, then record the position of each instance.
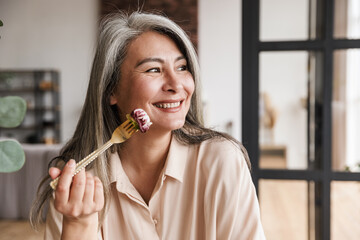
(156, 60)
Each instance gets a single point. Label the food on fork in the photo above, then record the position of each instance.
(141, 119)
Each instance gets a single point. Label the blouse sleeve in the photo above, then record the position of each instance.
(231, 203)
(53, 224)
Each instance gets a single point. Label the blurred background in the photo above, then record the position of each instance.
(282, 76)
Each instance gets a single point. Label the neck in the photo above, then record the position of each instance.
(145, 152)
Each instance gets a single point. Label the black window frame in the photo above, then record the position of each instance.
(321, 173)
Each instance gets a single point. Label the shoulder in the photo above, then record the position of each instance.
(220, 145)
(221, 156)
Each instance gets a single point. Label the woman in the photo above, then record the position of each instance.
(179, 180)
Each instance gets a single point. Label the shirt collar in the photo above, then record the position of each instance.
(114, 166)
(176, 160)
(174, 165)
(122, 182)
(117, 173)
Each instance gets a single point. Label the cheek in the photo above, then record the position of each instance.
(146, 90)
(130, 88)
(190, 86)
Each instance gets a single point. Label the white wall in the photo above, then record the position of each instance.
(284, 20)
(53, 34)
(219, 53)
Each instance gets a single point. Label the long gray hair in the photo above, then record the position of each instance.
(98, 118)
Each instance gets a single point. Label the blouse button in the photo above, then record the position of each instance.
(155, 221)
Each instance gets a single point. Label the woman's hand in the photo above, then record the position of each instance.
(79, 199)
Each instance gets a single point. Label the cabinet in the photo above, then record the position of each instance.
(40, 89)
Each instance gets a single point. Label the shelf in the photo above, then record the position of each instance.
(10, 91)
(40, 89)
(19, 90)
(42, 109)
(19, 128)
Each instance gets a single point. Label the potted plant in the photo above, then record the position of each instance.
(12, 113)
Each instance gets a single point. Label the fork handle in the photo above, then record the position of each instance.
(84, 162)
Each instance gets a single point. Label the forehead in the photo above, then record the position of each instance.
(152, 42)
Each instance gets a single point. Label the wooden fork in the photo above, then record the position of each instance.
(121, 134)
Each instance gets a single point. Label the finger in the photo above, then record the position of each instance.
(78, 188)
(63, 188)
(98, 194)
(88, 199)
(54, 172)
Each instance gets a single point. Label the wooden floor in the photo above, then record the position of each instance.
(19, 230)
(283, 205)
(284, 211)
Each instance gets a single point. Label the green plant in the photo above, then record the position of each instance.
(12, 113)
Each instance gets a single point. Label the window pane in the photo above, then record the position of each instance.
(284, 20)
(284, 209)
(345, 210)
(283, 91)
(346, 110)
(347, 19)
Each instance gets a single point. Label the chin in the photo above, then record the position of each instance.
(174, 125)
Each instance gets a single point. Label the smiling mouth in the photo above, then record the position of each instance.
(168, 105)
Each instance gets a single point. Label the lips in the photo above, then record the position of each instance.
(168, 105)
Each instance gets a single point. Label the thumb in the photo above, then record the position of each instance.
(54, 172)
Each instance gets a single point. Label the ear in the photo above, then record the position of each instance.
(113, 100)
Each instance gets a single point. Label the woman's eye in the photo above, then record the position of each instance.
(182, 68)
(153, 70)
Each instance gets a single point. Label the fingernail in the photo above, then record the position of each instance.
(71, 163)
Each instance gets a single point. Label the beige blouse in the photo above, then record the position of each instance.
(204, 192)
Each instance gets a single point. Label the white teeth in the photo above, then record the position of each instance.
(168, 105)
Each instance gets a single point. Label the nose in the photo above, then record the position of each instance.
(172, 82)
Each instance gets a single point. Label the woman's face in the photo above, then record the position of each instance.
(154, 77)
